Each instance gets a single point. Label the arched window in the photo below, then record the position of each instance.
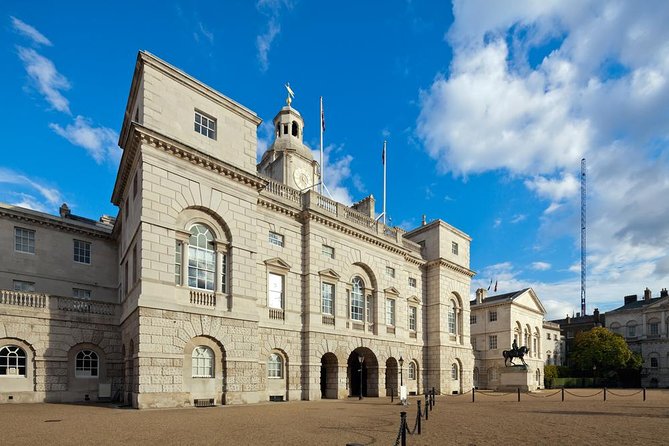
(454, 371)
(86, 364)
(201, 258)
(274, 366)
(295, 129)
(12, 361)
(203, 362)
(615, 327)
(452, 322)
(357, 299)
(412, 371)
(631, 329)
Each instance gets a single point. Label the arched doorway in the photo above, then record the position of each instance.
(329, 378)
(392, 379)
(363, 373)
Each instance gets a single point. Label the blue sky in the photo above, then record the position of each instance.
(487, 107)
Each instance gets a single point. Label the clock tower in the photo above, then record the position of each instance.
(288, 160)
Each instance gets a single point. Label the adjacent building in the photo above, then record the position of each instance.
(644, 323)
(571, 326)
(496, 321)
(224, 281)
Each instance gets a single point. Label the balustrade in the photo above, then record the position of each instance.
(202, 298)
(23, 299)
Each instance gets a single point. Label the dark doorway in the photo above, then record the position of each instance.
(329, 376)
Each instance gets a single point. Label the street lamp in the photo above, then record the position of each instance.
(361, 359)
(401, 361)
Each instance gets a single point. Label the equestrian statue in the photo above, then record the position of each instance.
(515, 352)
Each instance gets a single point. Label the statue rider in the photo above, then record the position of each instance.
(514, 346)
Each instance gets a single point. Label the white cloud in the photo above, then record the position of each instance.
(47, 79)
(99, 142)
(204, 32)
(30, 32)
(265, 138)
(336, 170)
(21, 194)
(272, 9)
(541, 266)
(518, 218)
(601, 90)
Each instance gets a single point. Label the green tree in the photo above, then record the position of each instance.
(604, 350)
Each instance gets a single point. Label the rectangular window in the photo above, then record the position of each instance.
(472, 319)
(412, 282)
(654, 363)
(492, 342)
(454, 248)
(327, 298)
(390, 311)
(82, 252)
(135, 265)
(24, 240)
(654, 328)
(80, 293)
(224, 273)
(370, 310)
(275, 239)
(26, 287)
(328, 251)
(201, 268)
(451, 321)
(631, 331)
(390, 271)
(413, 312)
(275, 291)
(205, 125)
(357, 306)
(493, 316)
(178, 261)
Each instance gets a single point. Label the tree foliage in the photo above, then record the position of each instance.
(603, 349)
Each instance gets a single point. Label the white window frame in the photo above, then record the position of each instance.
(390, 311)
(455, 372)
(455, 248)
(472, 319)
(413, 318)
(13, 358)
(492, 342)
(390, 271)
(202, 365)
(275, 239)
(81, 293)
(86, 364)
(653, 328)
(411, 371)
(178, 262)
(275, 290)
(201, 258)
(452, 320)
(24, 286)
(82, 252)
(492, 316)
(357, 306)
(275, 366)
(328, 251)
(412, 282)
(204, 125)
(24, 240)
(327, 298)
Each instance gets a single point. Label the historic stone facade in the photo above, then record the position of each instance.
(222, 281)
(644, 323)
(496, 321)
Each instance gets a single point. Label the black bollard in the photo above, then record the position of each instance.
(420, 415)
(519, 394)
(473, 394)
(563, 394)
(604, 393)
(427, 406)
(434, 393)
(403, 423)
(392, 395)
(644, 394)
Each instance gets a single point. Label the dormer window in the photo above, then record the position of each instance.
(205, 125)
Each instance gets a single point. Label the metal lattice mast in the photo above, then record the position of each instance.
(583, 244)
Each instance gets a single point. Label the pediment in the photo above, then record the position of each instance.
(660, 304)
(530, 300)
(329, 273)
(277, 263)
(413, 299)
(392, 290)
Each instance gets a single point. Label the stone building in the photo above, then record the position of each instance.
(223, 281)
(645, 326)
(496, 321)
(570, 326)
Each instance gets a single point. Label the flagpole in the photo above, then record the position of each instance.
(322, 179)
(384, 182)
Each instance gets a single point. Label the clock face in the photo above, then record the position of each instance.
(301, 178)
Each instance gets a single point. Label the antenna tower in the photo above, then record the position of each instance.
(583, 244)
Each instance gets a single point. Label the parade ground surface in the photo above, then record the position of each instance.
(540, 418)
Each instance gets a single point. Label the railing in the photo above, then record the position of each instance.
(412, 334)
(327, 204)
(328, 320)
(202, 298)
(358, 326)
(276, 313)
(284, 191)
(85, 306)
(23, 299)
(357, 217)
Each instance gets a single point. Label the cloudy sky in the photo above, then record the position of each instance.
(487, 107)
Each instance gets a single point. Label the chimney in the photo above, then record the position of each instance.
(647, 294)
(664, 292)
(630, 299)
(595, 313)
(480, 295)
(64, 210)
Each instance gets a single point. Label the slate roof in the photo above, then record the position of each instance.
(500, 297)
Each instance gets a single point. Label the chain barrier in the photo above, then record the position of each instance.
(481, 392)
(402, 427)
(543, 396)
(583, 396)
(458, 394)
(416, 424)
(625, 395)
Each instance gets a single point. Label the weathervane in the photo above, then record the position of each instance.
(291, 94)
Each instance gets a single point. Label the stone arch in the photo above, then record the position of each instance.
(204, 388)
(362, 269)
(454, 317)
(413, 383)
(363, 378)
(194, 214)
(83, 385)
(277, 386)
(295, 129)
(26, 383)
(329, 376)
(392, 377)
(456, 376)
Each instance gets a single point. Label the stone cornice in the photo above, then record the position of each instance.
(452, 266)
(56, 223)
(142, 135)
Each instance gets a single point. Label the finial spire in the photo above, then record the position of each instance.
(291, 94)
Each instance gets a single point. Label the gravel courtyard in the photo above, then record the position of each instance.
(540, 418)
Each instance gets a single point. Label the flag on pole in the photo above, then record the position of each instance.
(490, 284)
(322, 118)
(495, 286)
(383, 154)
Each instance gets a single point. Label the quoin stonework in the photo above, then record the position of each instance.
(223, 280)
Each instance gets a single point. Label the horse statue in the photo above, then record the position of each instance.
(517, 353)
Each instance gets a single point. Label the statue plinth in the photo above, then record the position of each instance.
(516, 377)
